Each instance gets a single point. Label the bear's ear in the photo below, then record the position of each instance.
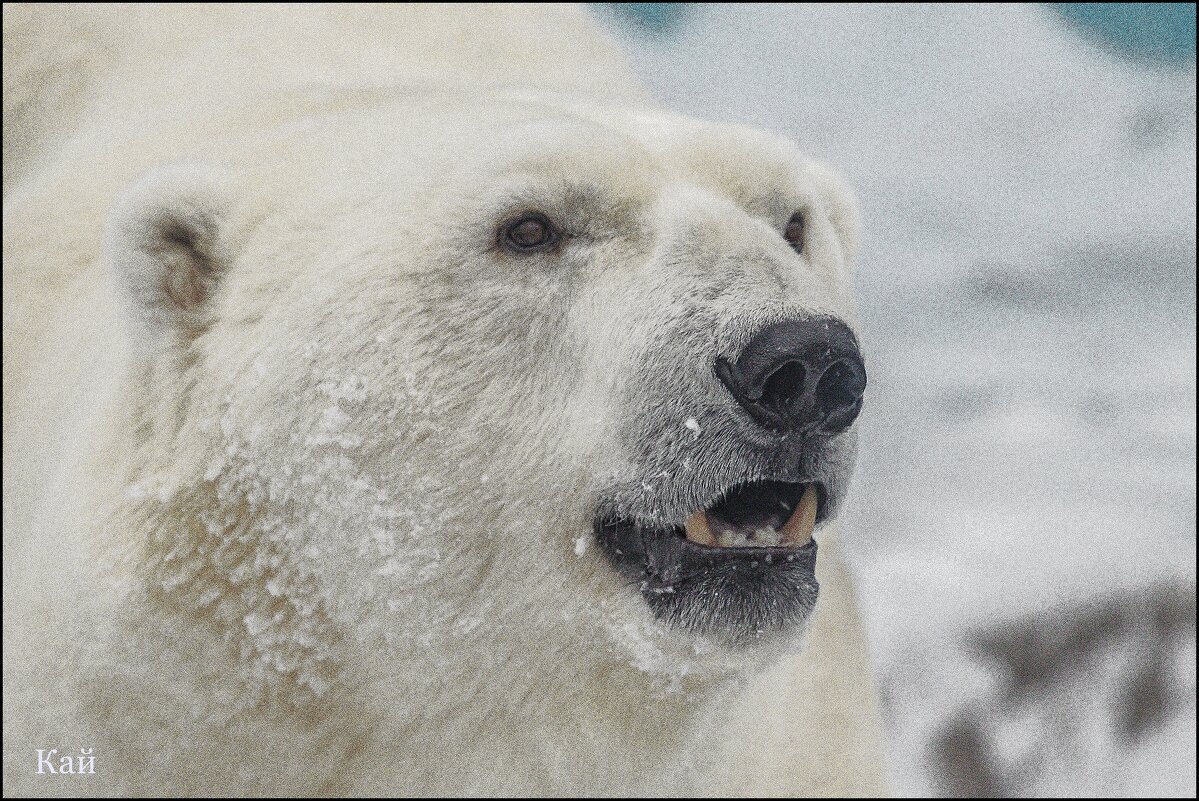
(168, 249)
(842, 209)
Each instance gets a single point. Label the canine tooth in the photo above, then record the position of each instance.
(698, 530)
(798, 530)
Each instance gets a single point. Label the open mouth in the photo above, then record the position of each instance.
(739, 568)
(764, 514)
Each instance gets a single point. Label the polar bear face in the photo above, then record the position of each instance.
(488, 368)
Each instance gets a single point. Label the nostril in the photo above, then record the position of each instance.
(841, 385)
(839, 392)
(784, 386)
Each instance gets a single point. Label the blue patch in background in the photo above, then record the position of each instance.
(655, 17)
(1157, 32)
(1162, 32)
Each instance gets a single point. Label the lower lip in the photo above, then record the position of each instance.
(735, 594)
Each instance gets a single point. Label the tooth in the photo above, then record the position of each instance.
(698, 530)
(798, 530)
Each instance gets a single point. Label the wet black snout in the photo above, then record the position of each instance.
(799, 376)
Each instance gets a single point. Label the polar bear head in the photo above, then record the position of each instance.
(488, 375)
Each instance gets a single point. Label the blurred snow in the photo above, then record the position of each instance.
(1027, 289)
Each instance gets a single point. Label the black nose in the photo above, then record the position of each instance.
(803, 376)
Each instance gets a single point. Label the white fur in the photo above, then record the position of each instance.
(312, 523)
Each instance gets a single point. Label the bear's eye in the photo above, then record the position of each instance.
(793, 233)
(530, 232)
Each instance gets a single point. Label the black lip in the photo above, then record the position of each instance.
(734, 595)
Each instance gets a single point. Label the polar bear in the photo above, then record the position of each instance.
(397, 401)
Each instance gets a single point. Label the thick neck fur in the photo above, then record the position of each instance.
(379, 675)
(564, 712)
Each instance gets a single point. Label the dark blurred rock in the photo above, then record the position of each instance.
(1119, 654)
(968, 769)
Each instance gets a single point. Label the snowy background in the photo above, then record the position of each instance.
(1023, 518)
